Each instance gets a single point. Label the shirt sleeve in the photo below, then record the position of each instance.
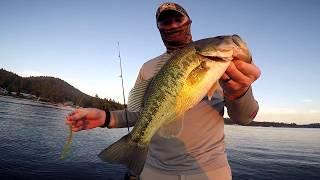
(120, 116)
(243, 110)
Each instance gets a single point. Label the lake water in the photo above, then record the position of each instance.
(33, 135)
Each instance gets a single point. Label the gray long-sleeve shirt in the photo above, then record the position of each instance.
(199, 144)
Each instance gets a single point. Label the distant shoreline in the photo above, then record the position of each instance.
(35, 103)
(228, 121)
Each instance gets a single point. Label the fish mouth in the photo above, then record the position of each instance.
(213, 58)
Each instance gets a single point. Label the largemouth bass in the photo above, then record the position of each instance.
(187, 77)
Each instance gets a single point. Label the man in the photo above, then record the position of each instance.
(197, 151)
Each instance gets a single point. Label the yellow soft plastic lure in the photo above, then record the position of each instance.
(67, 145)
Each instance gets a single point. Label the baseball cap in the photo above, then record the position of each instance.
(169, 6)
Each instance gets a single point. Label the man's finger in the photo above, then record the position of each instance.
(250, 70)
(76, 129)
(80, 122)
(225, 78)
(76, 116)
(73, 112)
(231, 84)
(76, 111)
(236, 75)
(73, 124)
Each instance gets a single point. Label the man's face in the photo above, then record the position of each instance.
(171, 19)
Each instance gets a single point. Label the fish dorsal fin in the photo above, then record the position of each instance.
(136, 95)
(212, 90)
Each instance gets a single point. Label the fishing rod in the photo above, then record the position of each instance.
(123, 94)
(128, 175)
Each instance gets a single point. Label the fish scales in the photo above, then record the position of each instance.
(171, 79)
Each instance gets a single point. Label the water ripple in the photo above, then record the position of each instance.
(33, 135)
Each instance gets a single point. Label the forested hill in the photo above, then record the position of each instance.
(275, 124)
(53, 90)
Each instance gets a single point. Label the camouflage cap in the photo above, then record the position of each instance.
(171, 6)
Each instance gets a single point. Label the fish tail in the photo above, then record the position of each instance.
(126, 152)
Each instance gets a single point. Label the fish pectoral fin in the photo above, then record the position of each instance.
(196, 75)
(173, 128)
(136, 96)
(212, 90)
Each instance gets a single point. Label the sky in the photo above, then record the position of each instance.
(76, 41)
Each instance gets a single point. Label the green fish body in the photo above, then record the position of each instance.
(187, 77)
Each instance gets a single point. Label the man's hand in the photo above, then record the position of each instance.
(85, 118)
(238, 78)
